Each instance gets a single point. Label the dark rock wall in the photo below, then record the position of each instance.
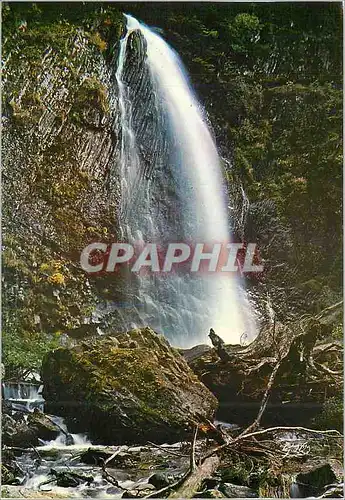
(60, 188)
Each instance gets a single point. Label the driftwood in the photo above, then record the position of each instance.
(179, 482)
(117, 452)
(67, 479)
(290, 363)
(37, 454)
(250, 431)
(110, 478)
(193, 482)
(190, 482)
(276, 348)
(161, 493)
(265, 399)
(166, 450)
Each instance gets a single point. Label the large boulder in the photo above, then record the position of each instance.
(43, 426)
(132, 387)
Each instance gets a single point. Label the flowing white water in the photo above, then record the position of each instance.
(24, 394)
(172, 190)
(79, 440)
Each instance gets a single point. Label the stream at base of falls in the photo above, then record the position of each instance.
(71, 466)
(45, 467)
(57, 470)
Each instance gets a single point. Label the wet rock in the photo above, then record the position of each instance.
(17, 433)
(128, 388)
(313, 481)
(43, 427)
(25, 432)
(236, 491)
(94, 457)
(113, 490)
(69, 441)
(160, 480)
(94, 493)
(70, 479)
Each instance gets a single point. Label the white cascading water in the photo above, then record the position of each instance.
(77, 441)
(24, 394)
(172, 190)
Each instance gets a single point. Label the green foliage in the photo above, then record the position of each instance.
(243, 30)
(332, 415)
(23, 352)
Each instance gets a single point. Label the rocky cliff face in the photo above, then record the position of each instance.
(60, 170)
(131, 387)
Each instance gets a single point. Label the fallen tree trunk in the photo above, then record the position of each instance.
(193, 482)
(283, 367)
(190, 482)
(276, 354)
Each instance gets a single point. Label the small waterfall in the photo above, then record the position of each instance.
(172, 191)
(65, 439)
(24, 394)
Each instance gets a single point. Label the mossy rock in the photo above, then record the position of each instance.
(43, 426)
(128, 388)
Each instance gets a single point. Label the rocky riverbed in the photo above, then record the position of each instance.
(55, 469)
(71, 466)
(134, 420)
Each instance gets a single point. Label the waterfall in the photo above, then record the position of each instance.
(172, 191)
(65, 439)
(24, 394)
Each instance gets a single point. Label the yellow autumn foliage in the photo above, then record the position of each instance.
(56, 279)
